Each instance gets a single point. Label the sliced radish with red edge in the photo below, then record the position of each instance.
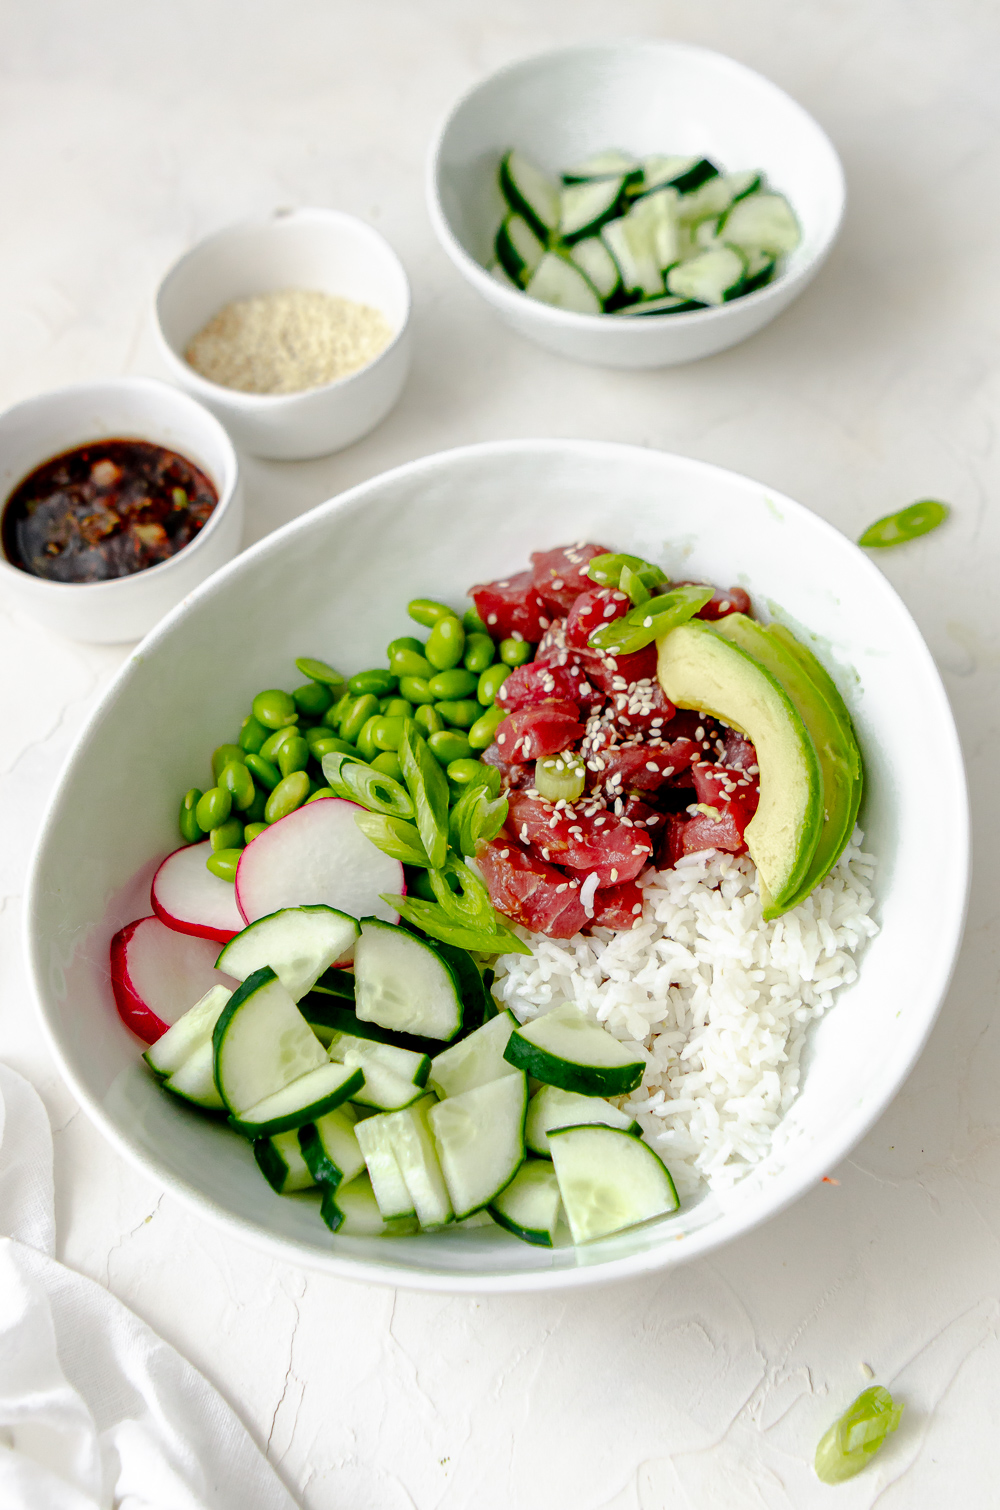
(188, 898)
(317, 855)
(158, 974)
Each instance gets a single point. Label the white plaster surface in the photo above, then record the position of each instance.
(127, 131)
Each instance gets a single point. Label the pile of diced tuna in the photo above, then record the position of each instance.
(661, 782)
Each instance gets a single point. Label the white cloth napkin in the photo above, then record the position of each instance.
(96, 1411)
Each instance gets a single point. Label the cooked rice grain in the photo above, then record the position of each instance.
(718, 1000)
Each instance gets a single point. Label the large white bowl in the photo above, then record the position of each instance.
(334, 584)
(643, 97)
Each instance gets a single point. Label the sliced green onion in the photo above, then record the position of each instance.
(476, 815)
(559, 778)
(908, 524)
(606, 570)
(859, 1433)
(633, 586)
(356, 781)
(432, 919)
(642, 625)
(394, 837)
(428, 786)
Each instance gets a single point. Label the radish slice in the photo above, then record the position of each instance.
(317, 855)
(188, 898)
(157, 975)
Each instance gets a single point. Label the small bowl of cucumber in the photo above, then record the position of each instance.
(638, 204)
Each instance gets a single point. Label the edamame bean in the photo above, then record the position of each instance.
(223, 863)
(191, 830)
(238, 782)
(478, 653)
(447, 745)
(515, 652)
(491, 681)
(318, 671)
(321, 791)
(269, 749)
(388, 733)
(252, 735)
(462, 714)
(293, 756)
(251, 831)
(445, 644)
(410, 663)
(333, 716)
(313, 699)
(405, 642)
(472, 623)
(289, 794)
(428, 612)
(465, 772)
(223, 755)
(416, 689)
(324, 743)
(388, 764)
(274, 708)
(360, 711)
(213, 808)
(263, 771)
(367, 748)
(448, 685)
(428, 720)
(484, 729)
(255, 812)
(396, 707)
(379, 682)
(228, 835)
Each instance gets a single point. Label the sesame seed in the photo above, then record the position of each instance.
(651, 765)
(637, 908)
(647, 622)
(699, 733)
(558, 584)
(491, 618)
(516, 634)
(501, 739)
(614, 874)
(505, 854)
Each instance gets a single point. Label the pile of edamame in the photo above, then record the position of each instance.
(445, 686)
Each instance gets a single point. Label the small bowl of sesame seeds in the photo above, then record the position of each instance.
(293, 328)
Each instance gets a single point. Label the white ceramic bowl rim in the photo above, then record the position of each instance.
(815, 1162)
(259, 222)
(514, 298)
(226, 485)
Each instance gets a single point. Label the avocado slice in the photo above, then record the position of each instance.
(832, 734)
(700, 669)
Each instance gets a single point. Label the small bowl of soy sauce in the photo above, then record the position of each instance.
(120, 498)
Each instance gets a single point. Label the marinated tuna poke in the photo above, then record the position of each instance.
(498, 931)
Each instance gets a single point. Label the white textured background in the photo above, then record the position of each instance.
(129, 130)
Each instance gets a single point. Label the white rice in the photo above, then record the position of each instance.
(718, 1000)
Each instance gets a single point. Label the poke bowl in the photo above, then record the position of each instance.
(742, 1030)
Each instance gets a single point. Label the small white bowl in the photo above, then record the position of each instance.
(126, 408)
(323, 250)
(336, 582)
(642, 97)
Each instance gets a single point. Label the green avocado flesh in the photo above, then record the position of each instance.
(700, 669)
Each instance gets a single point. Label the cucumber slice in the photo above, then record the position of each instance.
(566, 1048)
(518, 249)
(560, 282)
(706, 234)
(760, 270)
(632, 244)
(477, 1060)
(299, 944)
(480, 1141)
(658, 171)
(393, 1198)
(404, 984)
(335, 983)
(281, 1163)
(699, 172)
(530, 1205)
(328, 1016)
(352, 1211)
(763, 223)
(596, 262)
(611, 164)
(329, 1149)
(261, 1042)
(383, 1090)
(715, 196)
(551, 1107)
(477, 1004)
(194, 1081)
(530, 193)
(670, 304)
(656, 214)
(500, 275)
(417, 1157)
(307, 1098)
(188, 1033)
(405, 1064)
(608, 1180)
(712, 277)
(584, 207)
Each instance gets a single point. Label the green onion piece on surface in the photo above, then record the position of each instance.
(394, 837)
(606, 571)
(428, 787)
(632, 584)
(908, 524)
(642, 625)
(859, 1433)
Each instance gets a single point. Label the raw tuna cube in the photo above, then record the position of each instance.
(539, 682)
(618, 906)
(641, 767)
(528, 891)
(738, 753)
(616, 851)
(615, 673)
(560, 574)
(644, 709)
(533, 733)
(723, 601)
(593, 609)
(512, 607)
(703, 832)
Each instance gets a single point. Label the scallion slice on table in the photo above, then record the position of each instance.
(859, 1433)
(907, 524)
